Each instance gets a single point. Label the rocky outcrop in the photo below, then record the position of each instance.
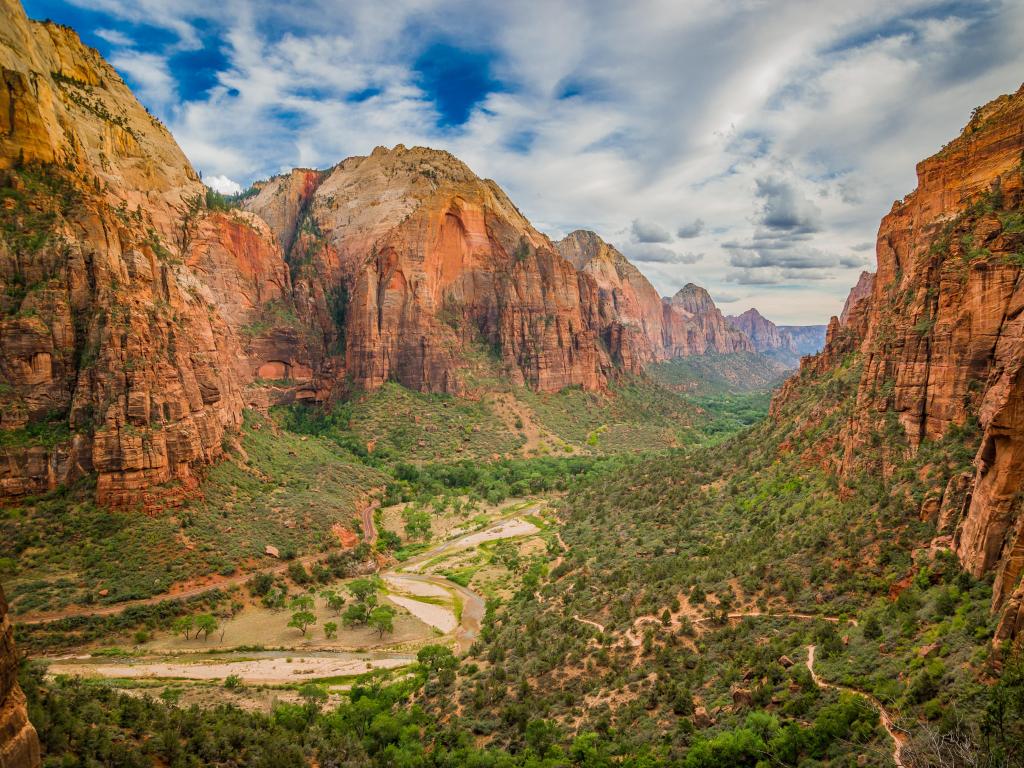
(19, 745)
(405, 261)
(123, 296)
(653, 328)
(693, 325)
(765, 335)
(860, 291)
(940, 337)
(629, 306)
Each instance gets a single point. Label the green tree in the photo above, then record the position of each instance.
(184, 624)
(355, 614)
(301, 620)
(382, 619)
(417, 522)
(330, 629)
(206, 624)
(364, 590)
(335, 602)
(302, 603)
(438, 660)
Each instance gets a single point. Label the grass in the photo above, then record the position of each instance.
(287, 493)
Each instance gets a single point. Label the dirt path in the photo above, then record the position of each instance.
(886, 718)
(633, 638)
(594, 624)
(369, 527)
(369, 534)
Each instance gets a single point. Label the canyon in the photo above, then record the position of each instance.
(390, 346)
(141, 316)
(938, 328)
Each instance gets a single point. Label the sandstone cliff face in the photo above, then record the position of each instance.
(861, 290)
(405, 259)
(652, 328)
(764, 334)
(941, 337)
(19, 745)
(123, 298)
(629, 306)
(693, 325)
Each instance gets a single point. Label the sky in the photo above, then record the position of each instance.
(749, 146)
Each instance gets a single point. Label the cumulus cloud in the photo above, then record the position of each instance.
(794, 258)
(114, 37)
(690, 230)
(150, 74)
(721, 297)
(782, 127)
(658, 254)
(785, 209)
(222, 184)
(649, 232)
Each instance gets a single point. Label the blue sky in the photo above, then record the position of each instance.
(750, 146)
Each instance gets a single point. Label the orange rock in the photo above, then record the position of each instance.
(940, 332)
(19, 744)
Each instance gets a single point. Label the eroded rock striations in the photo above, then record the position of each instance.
(122, 296)
(139, 314)
(19, 745)
(651, 328)
(939, 331)
(693, 325)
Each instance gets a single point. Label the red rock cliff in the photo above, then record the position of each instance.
(941, 339)
(765, 335)
(693, 325)
(123, 298)
(405, 258)
(19, 745)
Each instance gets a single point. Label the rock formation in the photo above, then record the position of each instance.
(940, 334)
(693, 325)
(627, 300)
(765, 335)
(19, 745)
(656, 329)
(139, 314)
(862, 290)
(123, 297)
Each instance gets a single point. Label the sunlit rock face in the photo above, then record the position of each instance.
(939, 330)
(123, 297)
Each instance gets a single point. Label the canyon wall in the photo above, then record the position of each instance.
(939, 331)
(19, 745)
(765, 335)
(122, 296)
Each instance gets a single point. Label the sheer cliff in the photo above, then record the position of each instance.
(938, 333)
(19, 745)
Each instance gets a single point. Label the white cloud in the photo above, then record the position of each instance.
(787, 128)
(114, 37)
(150, 74)
(223, 184)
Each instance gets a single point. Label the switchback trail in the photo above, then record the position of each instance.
(887, 720)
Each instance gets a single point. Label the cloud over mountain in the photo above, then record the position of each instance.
(784, 125)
